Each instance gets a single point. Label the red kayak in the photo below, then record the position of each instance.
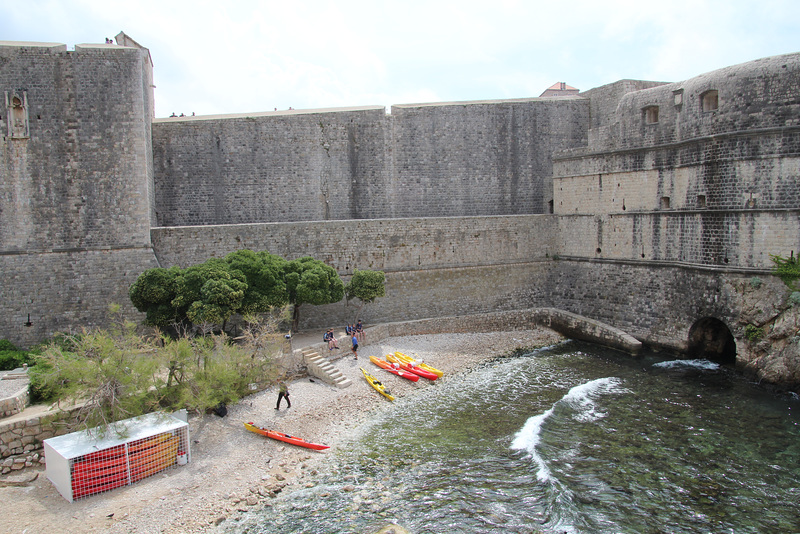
(280, 436)
(388, 366)
(412, 368)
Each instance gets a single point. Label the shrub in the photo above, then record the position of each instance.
(7, 345)
(12, 359)
(756, 282)
(118, 374)
(753, 333)
(794, 298)
(787, 269)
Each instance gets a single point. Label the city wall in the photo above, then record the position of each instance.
(443, 160)
(433, 266)
(75, 184)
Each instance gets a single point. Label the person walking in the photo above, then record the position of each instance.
(283, 392)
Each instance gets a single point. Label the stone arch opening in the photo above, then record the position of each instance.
(711, 339)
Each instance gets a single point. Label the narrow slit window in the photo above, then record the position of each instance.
(701, 201)
(664, 203)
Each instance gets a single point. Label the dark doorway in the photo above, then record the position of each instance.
(711, 339)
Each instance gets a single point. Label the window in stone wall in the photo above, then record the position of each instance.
(701, 201)
(17, 114)
(664, 203)
(650, 114)
(709, 101)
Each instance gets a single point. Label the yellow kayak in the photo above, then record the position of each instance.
(406, 359)
(374, 382)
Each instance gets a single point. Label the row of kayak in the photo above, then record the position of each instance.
(398, 364)
(406, 367)
(401, 365)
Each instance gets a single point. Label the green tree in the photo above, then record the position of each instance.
(366, 286)
(310, 281)
(153, 292)
(209, 292)
(103, 369)
(263, 271)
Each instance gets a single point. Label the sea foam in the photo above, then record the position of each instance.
(581, 400)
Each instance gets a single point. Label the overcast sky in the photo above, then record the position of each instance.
(246, 56)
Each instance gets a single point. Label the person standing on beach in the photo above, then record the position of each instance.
(354, 340)
(283, 392)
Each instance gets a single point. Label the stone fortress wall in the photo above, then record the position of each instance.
(643, 204)
(75, 184)
(701, 191)
(444, 160)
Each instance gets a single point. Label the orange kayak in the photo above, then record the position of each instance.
(280, 436)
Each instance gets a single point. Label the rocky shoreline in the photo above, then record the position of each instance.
(233, 470)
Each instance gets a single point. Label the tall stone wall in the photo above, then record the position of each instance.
(668, 197)
(268, 167)
(465, 159)
(698, 181)
(75, 184)
(735, 239)
(480, 158)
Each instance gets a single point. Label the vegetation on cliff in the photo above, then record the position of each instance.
(770, 322)
(119, 372)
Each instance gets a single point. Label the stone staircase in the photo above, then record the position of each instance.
(319, 367)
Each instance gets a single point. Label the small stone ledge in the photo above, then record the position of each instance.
(569, 324)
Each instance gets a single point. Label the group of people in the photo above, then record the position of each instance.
(354, 331)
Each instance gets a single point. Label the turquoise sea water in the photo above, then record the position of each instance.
(568, 439)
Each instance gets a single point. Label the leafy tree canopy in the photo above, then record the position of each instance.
(153, 292)
(263, 271)
(310, 281)
(246, 282)
(366, 286)
(210, 292)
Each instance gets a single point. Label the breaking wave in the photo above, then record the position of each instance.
(581, 400)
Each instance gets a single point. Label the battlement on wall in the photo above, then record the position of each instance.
(61, 48)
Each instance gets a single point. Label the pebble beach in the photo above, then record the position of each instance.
(233, 470)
